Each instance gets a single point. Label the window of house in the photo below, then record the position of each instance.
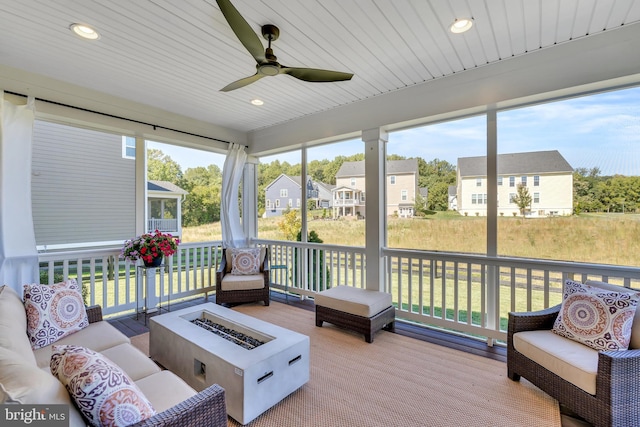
(536, 180)
(267, 203)
(290, 203)
(484, 202)
(128, 147)
(511, 197)
(362, 197)
(277, 203)
(404, 195)
(298, 203)
(392, 179)
(499, 180)
(536, 197)
(478, 182)
(353, 182)
(284, 192)
(512, 181)
(523, 180)
(474, 199)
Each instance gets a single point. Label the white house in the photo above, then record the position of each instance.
(546, 174)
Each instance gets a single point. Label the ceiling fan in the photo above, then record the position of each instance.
(267, 63)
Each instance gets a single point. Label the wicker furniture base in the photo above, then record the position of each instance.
(364, 325)
(241, 296)
(617, 399)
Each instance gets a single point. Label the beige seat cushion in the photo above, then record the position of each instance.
(164, 390)
(231, 282)
(13, 325)
(132, 361)
(21, 381)
(635, 327)
(570, 360)
(97, 336)
(361, 302)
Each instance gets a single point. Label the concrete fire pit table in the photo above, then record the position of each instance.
(257, 363)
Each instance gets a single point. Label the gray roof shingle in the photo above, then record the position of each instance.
(393, 167)
(536, 162)
(165, 186)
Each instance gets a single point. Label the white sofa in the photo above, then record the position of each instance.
(25, 376)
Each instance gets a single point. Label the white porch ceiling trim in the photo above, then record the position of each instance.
(601, 61)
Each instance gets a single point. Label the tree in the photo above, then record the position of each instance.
(421, 205)
(290, 224)
(202, 203)
(161, 167)
(436, 175)
(522, 198)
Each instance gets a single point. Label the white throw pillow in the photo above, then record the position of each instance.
(245, 261)
(53, 312)
(598, 318)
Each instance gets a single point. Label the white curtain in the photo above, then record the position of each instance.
(18, 254)
(232, 234)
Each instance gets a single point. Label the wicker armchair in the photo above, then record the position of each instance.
(617, 398)
(228, 292)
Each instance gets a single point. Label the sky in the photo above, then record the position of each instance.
(600, 130)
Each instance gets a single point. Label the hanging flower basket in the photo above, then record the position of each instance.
(150, 248)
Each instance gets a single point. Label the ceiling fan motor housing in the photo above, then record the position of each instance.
(269, 69)
(270, 32)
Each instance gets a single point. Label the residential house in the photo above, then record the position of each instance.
(81, 189)
(546, 174)
(164, 208)
(402, 187)
(453, 198)
(285, 192)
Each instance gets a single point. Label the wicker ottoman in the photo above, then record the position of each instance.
(359, 310)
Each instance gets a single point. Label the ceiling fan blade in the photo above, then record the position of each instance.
(316, 75)
(242, 82)
(243, 30)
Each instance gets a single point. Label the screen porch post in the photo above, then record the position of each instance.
(375, 168)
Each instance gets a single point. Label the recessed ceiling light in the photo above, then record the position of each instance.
(257, 101)
(84, 31)
(461, 25)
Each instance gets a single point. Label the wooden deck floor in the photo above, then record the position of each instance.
(132, 325)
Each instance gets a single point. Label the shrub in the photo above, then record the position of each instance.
(318, 275)
(58, 277)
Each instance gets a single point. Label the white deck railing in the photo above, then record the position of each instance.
(164, 225)
(112, 282)
(465, 293)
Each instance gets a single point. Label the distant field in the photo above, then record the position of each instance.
(597, 238)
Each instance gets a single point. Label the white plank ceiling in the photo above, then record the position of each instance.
(176, 55)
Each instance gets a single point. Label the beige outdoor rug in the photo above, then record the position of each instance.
(395, 381)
